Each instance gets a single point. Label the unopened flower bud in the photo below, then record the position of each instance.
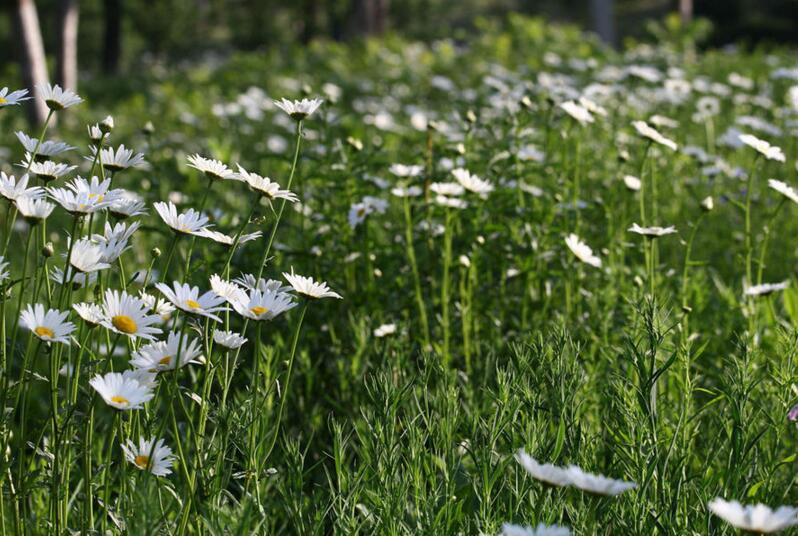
(708, 204)
(155, 252)
(148, 129)
(107, 124)
(526, 102)
(48, 250)
(471, 117)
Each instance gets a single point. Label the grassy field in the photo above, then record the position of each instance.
(471, 203)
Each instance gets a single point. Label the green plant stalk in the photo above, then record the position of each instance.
(447, 261)
(411, 257)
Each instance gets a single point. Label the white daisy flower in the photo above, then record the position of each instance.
(582, 251)
(263, 305)
(228, 339)
(299, 110)
(653, 134)
(577, 111)
(48, 170)
(127, 204)
(84, 197)
(766, 288)
(472, 183)
(50, 326)
(598, 484)
(754, 518)
(78, 279)
(652, 232)
(409, 191)
(149, 455)
(447, 188)
(114, 240)
(227, 240)
(160, 306)
(95, 133)
(188, 299)
(4, 274)
(509, 529)
(249, 282)
(13, 98)
(128, 315)
(546, 472)
(57, 98)
(189, 222)
(401, 170)
(384, 330)
(34, 209)
(213, 169)
(118, 159)
(592, 107)
(450, 202)
(12, 189)
(771, 152)
(91, 313)
(310, 288)
(45, 149)
(121, 391)
(87, 257)
(784, 189)
(159, 356)
(265, 186)
(228, 290)
(632, 183)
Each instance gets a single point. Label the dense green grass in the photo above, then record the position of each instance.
(662, 373)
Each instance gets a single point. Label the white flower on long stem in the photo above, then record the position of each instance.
(175, 352)
(48, 170)
(784, 189)
(450, 202)
(87, 257)
(509, 529)
(121, 391)
(384, 330)
(118, 159)
(263, 305)
(149, 455)
(771, 152)
(653, 134)
(189, 222)
(572, 476)
(652, 232)
(45, 149)
(408, 191)
(91, 313)
(632, 183)
(128, 315)
(265, 186)
(250, 282)
(310, 288)
(34, 209)
(754, 518)
(766, 288)
(299, 109)
(472, 183)
(114, 241)
(228, 290)
(228, 339)
(401, 170)
(49, 326)
(12, 189)
(447, 188)
(227, 240)
(13, 98)
(577, 111)
(77, 279)
(57, 98)
(126, 205)
(84, 197)
(582, 250)
(188, 299)
(213, 169)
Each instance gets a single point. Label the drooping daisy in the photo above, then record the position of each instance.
(227, 240)
(48, 170)
(754, 518)
(653, 134)
(578, 112)
(50, 326)
(509, 529)
(128, 315)
(123, 392)
(213, 169)
(582, 251)
(652, 232)
(95, 133)
(118, 159)
(188, 299)
(43, 150)
(13, 98)
(87, 257)
(57, 98)
(12, 189)
(771, 152)
(310, 288)
(766, 288)
(265, 187)
(163, 355)
(189, 222)
(91, 313)
(34, 209)
(149, 455)
(228, 339)
(472, 183)
(784, 189)
(299, 110)
(263, 305)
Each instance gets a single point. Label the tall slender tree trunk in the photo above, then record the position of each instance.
(370, 16)
(32, 59)
(112, 39)
(67, 60)
(603, 14)
(686, 10)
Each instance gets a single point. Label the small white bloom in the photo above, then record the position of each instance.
(213, 169)
(12, 189)
(189, 222)
(177, 351)
(299, 110)
(652, 134)
(50, 326)
(771, 152)
(784, 189)
(87, 257)
(632, 182)
(13, 98)
(384, 330)
(149, 455)
(754, 518)
(582, 251)
(188, 299)
(33, 209)
(118, 159)
(128, 315)
(310, 288)
(121, 391)
(259, 305)
(766, 288)
(47, 170)
(46, 148)
(265, 186)
(577, 111)
(652, 232)
(541, 530)
(91, 313)
(401, 170)
(57, 98)
(472, 183)
(228, 339)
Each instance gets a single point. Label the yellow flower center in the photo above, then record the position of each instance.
(125, 324)
(258, 310)
(3, 100)
(120, 400)
(97, 197)
(192, 304)
(142, 461)
(42, 331)
(165, 360)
